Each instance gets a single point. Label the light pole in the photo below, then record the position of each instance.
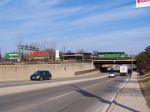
(131, 63)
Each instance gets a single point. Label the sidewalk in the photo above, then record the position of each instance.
(130, 99)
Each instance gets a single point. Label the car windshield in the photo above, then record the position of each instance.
(111, 72)
(36, 73)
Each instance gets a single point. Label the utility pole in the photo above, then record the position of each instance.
(64, 49)
(0, 55)
(131, 63)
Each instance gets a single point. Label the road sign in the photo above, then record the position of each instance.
(142, 3)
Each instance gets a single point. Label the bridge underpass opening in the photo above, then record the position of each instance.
(102, 65)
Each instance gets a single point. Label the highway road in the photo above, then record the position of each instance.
(28, 82)
(89, 96)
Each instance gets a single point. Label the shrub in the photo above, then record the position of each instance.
(143, 61)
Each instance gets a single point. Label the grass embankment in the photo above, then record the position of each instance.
(144, 81)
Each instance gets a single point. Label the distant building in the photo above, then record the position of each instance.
(76, 56)
(13, 56)
(39, 56)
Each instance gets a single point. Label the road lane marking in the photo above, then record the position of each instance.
(106, 106)
(115, 96)
(21, 108)
(25, 88)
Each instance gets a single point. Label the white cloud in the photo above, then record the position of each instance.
(123, 13)
(43, 2)
(69, 25)
(133, 39)
(35, 22)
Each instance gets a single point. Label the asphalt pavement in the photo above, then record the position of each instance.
(89, 96)
(5, 84)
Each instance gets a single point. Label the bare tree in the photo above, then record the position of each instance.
(53, 45)
(25, 57)
(64, 49)
(69, 51)
(81, 51)
(44, 44)
(51, 53)
(95, 52)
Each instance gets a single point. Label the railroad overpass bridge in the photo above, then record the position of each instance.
(105, 63)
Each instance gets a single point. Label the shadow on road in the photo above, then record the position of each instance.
(128, 108)
(88, 94)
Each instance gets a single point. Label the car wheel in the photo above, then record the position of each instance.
(41, 78)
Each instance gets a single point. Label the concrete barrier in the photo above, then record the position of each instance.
(84, 71)
(23, 72)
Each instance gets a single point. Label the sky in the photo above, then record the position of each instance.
(91, 25)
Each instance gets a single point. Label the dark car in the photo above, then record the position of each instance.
(41, 75)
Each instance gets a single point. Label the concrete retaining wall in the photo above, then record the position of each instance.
(23, 72)
(84, 71)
